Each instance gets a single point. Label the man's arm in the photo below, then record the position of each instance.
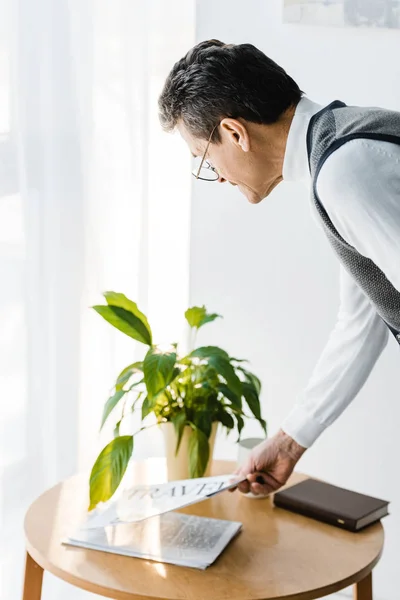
(359, 186)
(354, 345)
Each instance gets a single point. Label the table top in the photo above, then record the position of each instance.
(278, 554)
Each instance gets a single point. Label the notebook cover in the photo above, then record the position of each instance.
(329, 503)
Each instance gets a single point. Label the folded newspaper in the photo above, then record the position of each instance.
(174, 538)
(136, 523)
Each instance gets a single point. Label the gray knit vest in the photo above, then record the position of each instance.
(329, 129)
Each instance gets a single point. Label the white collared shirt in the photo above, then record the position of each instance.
(359, 187)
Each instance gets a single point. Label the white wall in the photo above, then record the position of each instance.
(268, 269)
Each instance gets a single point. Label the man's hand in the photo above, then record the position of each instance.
(271, 462)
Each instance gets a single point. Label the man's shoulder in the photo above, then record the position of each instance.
(355, 163)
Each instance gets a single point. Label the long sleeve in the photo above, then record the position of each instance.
(354, 345)
(359, 186)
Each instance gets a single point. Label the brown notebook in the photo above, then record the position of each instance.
(332, 504)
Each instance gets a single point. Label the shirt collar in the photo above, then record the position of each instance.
(295, 164)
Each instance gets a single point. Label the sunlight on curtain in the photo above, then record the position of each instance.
(139, 195)
(93, 196)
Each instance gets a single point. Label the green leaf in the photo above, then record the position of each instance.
(174, 374)
(199, 452)
(137, 399)
(127, 373)
(226, 419)
(121, 301)
(109, 469)
(240, 424)
(110, 405)
(224, 368)
(131, 387)
(124, 321)
(161, 401)
(209, 351)
(197, 316)
(209, 318)
(203, 421)
(114, 400)
(255, 381)
(251, 378)
(230, 395)
(146, 407)
(194, 315)
(203, 374)
(179, 422)
(116, 429)
(253, 401)
(158, 368)
(263, 424)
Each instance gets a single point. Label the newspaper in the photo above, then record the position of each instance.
(144, 501)
(174, 538)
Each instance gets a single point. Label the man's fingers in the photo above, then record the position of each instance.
(257, 483)
(236, 477)
(260, 490)
(265, 480)
(244, 487)
(241, 472)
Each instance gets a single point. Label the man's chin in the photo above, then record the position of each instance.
(251, 197)
(254, 198)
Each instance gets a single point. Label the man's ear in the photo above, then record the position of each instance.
(236, 132)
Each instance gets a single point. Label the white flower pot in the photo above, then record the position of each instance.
(178, 466)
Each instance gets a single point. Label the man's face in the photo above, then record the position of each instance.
(243, 157)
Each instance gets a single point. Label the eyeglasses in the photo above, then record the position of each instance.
(203, 169)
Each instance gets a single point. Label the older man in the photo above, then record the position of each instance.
(247, 122)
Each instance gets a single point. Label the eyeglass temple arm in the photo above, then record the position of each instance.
(205, 152)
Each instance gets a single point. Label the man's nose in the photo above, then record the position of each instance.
(221, 179)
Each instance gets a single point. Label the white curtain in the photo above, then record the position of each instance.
(93, 196)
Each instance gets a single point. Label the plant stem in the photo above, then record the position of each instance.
(194, 338)
(143, 428)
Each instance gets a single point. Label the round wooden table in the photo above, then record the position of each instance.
(278, 554)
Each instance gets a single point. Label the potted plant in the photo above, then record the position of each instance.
(189, 396)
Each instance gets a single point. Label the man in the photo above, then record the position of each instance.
(248, 122)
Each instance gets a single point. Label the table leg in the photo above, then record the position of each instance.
(33, 580)
(363, 589)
